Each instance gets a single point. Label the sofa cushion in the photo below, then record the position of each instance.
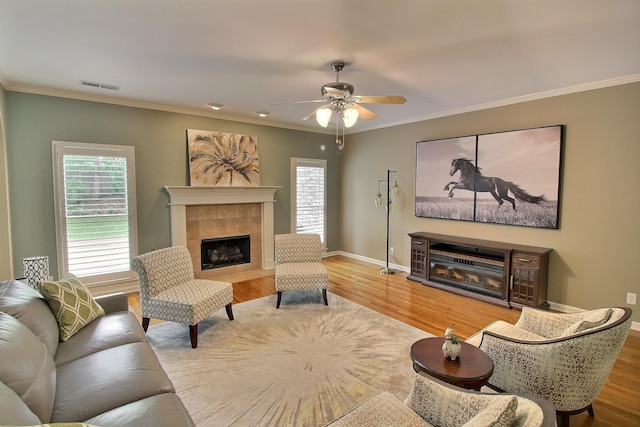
(383, 409)
(500, 413)
(592, 320)
(160, 410)
(104, 332)
(71, 303)
(106, 380)
(29, 307)
(27, 367)
(13, 411)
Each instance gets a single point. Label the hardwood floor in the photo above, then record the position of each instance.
(433, 310)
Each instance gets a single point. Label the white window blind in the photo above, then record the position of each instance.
(309, 187)
(96, 216)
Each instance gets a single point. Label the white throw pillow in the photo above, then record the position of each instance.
(500, 413)
(593, 320)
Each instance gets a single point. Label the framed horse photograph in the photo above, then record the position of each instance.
(510, 177)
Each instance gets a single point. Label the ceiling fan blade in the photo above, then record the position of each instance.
(382, 99)
(364, 113)
(301, 102)
(311, 115)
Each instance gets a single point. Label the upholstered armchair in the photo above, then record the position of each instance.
(168, 290)
(564, 358)
(432, 402)
(298, 264)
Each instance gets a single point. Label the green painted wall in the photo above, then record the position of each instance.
(159, 139)
(597, 247)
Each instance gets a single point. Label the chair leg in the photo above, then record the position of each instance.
(229, 311)
(145, 323)
(324, 296)
(562, 419)
(279, 299)
(193, 333)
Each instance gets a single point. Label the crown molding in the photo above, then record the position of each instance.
(634, 78)
(38, 90)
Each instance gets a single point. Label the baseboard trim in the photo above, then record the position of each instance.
(563, 308)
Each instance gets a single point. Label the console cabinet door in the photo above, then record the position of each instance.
(527, 284)
(419, 258)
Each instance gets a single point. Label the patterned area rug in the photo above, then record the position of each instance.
(302, 365)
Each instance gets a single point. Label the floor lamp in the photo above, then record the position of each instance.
(378, 201)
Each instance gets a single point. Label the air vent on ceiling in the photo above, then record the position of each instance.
(99, 85)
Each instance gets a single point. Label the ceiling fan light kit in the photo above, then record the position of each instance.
(349, 116)
(323, 115)
(339, 97)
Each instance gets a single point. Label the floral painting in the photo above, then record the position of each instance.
(223, 159)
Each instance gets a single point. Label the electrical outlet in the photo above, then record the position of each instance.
(391, 250)
(631, 298)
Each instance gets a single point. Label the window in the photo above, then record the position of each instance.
(308, 184)
(94, 193)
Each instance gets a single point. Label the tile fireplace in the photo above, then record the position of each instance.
(209, 213)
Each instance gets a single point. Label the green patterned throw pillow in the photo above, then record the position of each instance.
(71, 303)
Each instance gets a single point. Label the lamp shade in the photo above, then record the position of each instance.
(35, 269)
(323, 115)
(350, 116)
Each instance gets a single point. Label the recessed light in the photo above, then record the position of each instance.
(216, 106)
(262, 113)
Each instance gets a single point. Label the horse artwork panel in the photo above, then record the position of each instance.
(471, 178)
(521, 168)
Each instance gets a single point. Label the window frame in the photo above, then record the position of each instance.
(319, 163)
(59, 150)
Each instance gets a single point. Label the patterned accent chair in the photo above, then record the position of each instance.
(432, 402)
(298, 263)
(564, 358)
(168, 290)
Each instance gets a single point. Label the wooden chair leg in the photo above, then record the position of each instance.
(590, 410)
(562, 419)
(229, 311)
(324, 296)
(193, 333)
(145, 323)
(279, 299)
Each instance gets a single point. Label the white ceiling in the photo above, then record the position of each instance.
(444, 56)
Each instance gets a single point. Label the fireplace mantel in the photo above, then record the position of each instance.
(182, 196)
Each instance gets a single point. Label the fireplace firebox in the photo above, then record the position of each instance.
(225, 251)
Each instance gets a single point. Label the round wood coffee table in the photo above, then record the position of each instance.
(472, 369)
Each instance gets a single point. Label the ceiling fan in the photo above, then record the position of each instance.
(339, 98)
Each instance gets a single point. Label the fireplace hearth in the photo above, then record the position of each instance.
(225, 251)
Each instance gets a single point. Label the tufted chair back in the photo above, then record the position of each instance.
(162, 269)
(297, 248)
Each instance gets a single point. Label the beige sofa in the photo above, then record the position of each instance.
(106, 374)
(432, 402)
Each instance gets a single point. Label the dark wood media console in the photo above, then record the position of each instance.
(505, 274)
